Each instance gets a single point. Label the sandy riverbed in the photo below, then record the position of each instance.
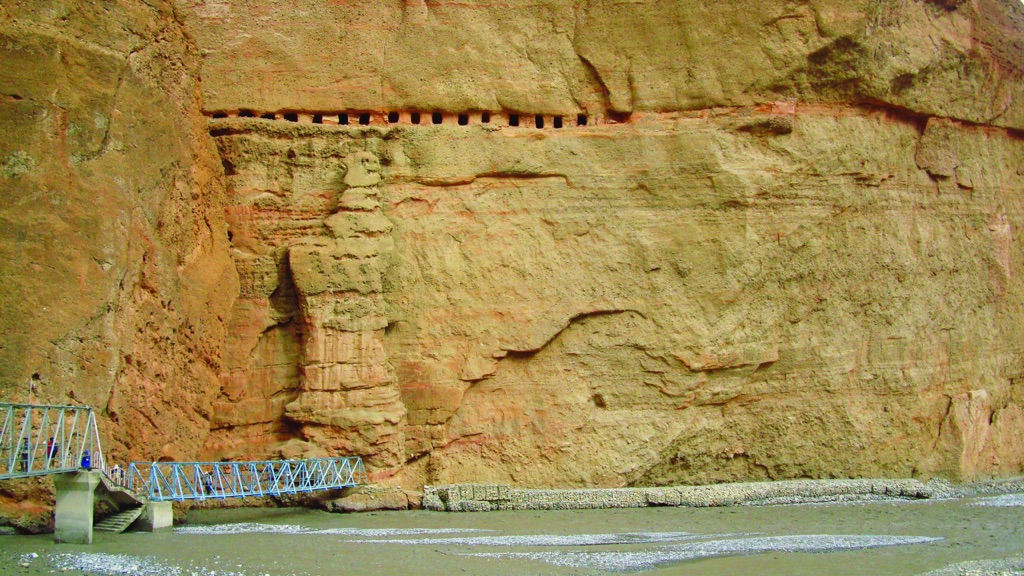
(975, 535)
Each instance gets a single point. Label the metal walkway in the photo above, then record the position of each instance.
(178, 481)
(41, 439)
(37, 439)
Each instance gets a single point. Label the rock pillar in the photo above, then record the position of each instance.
(73, 513)
(348, 400)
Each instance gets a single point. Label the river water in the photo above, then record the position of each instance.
(836, 539)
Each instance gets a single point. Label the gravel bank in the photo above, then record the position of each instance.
(1004, 567)
(645, 560)
(484, 497)
(1004, 500)
(259, 528)
(553, 539)
(125, 565)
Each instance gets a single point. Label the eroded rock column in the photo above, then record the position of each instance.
(348, 399)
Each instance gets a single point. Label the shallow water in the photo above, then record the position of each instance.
(867, 538)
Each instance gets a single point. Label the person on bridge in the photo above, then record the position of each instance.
(24, 456)
(52, 449)
(86, 460)
(117, 474)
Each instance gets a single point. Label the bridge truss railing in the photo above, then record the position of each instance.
(38, 439)
(178, 481)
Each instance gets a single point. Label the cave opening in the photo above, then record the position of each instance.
(620, 117)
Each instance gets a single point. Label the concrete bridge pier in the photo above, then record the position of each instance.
(74, 509)
(157, 515)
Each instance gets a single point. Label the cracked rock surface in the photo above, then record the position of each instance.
(672, 300)
(785, 244)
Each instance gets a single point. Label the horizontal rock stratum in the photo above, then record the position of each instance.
(769, 240)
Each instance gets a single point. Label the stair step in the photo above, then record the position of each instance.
(119, 522)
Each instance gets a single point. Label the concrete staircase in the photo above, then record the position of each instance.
(120, 497)
(119, 522)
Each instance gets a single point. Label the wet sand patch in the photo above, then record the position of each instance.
(296, 542)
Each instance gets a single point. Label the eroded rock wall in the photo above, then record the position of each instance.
(782, 245)
(785, 244)
(116, 277)
(950, 58)
(679, 299)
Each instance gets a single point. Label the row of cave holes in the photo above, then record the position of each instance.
(365, 118)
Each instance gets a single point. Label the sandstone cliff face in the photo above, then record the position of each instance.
(784, 244)
(116, 276)
(950, 58)
(676, 300)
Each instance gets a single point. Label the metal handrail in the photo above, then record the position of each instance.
(178, 481)
(39, 439)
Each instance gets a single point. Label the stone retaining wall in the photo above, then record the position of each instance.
(484, 497)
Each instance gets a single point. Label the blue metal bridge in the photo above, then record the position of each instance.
(179, 481)
(37, 439)
(64, 441)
